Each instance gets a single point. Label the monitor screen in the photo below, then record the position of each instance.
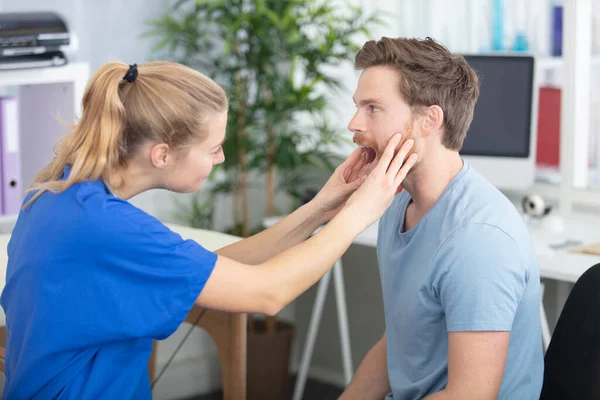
(501, 124)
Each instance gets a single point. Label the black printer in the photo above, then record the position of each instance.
(32, 39)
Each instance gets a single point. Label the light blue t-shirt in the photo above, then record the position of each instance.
(468, 265)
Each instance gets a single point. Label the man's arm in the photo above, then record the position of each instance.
(480, 287)
(371, 379)
(475, 365)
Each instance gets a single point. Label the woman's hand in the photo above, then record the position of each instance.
(369, 202)
(340, 186)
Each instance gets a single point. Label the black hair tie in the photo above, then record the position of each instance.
(131, 74)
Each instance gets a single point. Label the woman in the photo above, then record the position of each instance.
(92, 280)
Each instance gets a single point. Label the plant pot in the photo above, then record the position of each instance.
(268, 360)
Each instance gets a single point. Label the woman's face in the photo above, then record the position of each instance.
(191, 170)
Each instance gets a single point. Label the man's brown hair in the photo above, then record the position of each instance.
(430, 75)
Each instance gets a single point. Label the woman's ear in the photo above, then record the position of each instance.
(432, 120)
(160, 155)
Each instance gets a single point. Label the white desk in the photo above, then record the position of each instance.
(561, 265)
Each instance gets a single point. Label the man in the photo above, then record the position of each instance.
(459, 272)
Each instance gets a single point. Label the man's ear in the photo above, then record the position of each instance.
(160, 155)
(432, 120)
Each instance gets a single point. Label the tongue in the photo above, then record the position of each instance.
(371, 155)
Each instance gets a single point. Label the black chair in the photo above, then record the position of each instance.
(572, 361)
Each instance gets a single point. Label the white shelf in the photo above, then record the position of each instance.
(551, 63)
(7, 222)
(549, 175)
(7, 219)
(45, 97)
(36, 76)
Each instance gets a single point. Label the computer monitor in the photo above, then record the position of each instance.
(501, 141)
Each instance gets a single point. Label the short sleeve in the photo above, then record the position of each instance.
(481, 277)
(144, 277)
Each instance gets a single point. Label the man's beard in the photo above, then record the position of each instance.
(371, 148)
(369, 145)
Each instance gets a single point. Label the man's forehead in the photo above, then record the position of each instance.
(378, 83)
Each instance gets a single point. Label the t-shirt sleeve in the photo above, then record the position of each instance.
(146, 276)
(481, 277)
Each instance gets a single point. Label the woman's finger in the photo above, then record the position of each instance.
(357, 167)
(404, 170)
(399, 158)
(353, 160)
(388, 154)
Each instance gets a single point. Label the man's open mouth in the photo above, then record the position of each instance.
(369, 153)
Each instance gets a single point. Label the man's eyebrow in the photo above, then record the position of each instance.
(367, 101)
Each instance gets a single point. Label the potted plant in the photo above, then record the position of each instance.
(271, 56)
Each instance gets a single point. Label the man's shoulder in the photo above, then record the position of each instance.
(482, 255)
(484, 205)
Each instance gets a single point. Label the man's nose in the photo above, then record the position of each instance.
(356, 125)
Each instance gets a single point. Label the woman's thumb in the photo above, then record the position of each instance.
(358, 182)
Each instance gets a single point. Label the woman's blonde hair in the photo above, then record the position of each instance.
(167, 103)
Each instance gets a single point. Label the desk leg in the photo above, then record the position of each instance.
(228, 330)
(311, 337)
(342, 310)
(546, 335)
(152, 361)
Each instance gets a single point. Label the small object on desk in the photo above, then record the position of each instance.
(535, 206)
(593, 249)
(566, 244)
(537, 214)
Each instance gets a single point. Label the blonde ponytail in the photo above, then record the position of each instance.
(167, 103)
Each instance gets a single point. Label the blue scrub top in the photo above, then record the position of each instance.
(91, 281)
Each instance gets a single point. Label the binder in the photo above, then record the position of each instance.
(10, 158)
(548, 133)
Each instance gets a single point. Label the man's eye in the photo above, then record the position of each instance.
(373, 108)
